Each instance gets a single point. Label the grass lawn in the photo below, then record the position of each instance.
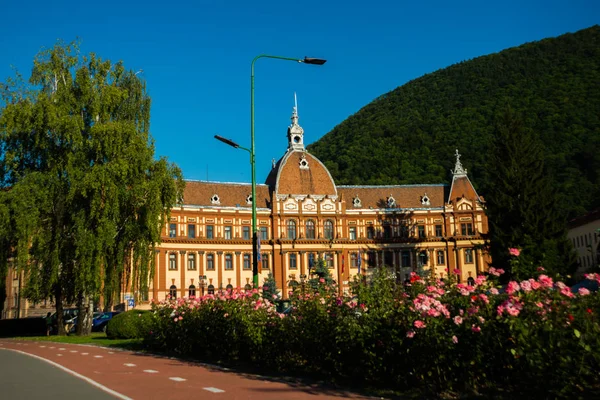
(96, 338)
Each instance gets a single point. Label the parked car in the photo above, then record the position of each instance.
(100, 321)
(588, 284)
(69, 319)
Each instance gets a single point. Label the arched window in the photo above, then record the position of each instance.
(192, 292)
(471, 281)
(294, 284)
(173, 292)
(328, 229)
(211, 289)
(310, 229)
(248, 287)
(423, 258)
(291, 229)
(229, 288)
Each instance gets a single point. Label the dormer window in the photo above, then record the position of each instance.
(391, 202)
(215, 199)
(249, 199)
(425, 200)
(303, 162)
(356, 202)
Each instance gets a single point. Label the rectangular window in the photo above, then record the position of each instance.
(352, 233)
(468, 256)
(210, 262)
(191, 261)
(353, 260)
(466, 229)
(438, 231)
(228, 232)
(405, 259)
(370, 232)
(329, 260)
(191, 231)
(172, 230)
(247, 261)
(210, 232)
(264, 233)
(172, 261)
(265, 261)
(246, 232)
(293, 261)
(228, 261)
(371, 259)
(387, 231)
(404, 230)
(440, 258)
(421, 229)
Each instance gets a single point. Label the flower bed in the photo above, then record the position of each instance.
(534, 335)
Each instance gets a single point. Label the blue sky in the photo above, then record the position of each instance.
(196, 56)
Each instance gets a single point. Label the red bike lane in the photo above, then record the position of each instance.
(135, 375)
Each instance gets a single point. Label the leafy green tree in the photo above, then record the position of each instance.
(270, 291)
(522, 203)
(321, 278)
(83, 195)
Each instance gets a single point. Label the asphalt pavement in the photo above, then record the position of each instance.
(24, 376)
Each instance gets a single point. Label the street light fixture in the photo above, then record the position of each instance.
(305, 60)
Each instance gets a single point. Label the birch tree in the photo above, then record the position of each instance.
(84, 198)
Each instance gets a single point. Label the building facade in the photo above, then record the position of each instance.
(302, 215)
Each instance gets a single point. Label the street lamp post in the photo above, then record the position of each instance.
(305, 60)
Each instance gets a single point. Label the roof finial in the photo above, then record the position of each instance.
(295, 111)
(458, 168)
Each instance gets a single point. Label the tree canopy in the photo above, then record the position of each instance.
(82, 197)
(408, 135)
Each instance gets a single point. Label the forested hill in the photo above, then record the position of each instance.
(409, 135)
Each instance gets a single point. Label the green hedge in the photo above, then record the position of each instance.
(536, 337)
(129, 325)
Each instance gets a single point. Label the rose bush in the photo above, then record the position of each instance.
(440, 335)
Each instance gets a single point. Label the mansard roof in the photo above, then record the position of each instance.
(199, 193)
(405, 196)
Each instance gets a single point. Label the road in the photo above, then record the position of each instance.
(46, 370)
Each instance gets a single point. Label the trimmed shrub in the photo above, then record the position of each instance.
(133, 324)
(526, 338)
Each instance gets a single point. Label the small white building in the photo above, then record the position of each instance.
(584, 233)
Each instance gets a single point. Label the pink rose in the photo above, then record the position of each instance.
(454, 339)
(514, 251)
(475, 328)
(410, 334)
(419, 324)
(458, 320)
(583, 291)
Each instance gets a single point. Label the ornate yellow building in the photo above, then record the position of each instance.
(303, 215)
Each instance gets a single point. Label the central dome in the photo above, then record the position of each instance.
(299, 172)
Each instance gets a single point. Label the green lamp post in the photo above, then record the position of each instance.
(305, 60)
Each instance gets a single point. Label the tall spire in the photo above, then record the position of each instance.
(458, 168)
(295, 131)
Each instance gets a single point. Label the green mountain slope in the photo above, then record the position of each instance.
(409, 134)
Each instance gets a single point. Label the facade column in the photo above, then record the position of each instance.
(183, 284)
(238, 269)
(219, 262)
(155, 280)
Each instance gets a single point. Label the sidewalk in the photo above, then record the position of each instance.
(139, 376)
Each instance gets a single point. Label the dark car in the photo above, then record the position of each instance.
(100, 321)
(588, 284)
